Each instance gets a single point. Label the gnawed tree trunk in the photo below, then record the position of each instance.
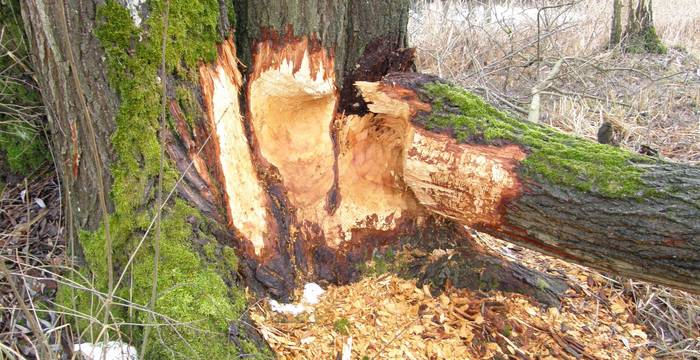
(571, 198)
(287, 142)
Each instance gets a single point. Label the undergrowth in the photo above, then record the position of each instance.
(22, 143)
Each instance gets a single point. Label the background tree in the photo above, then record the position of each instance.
(640, 34)
(616, 27)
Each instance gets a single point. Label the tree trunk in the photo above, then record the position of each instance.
(592, 204)
(640, 33)
(277, 157)
(616, 26)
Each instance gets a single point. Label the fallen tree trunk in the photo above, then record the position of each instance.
(323, 189)
(587, 203)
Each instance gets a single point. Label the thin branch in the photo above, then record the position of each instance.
(159, 195)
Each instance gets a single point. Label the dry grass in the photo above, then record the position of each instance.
(651, 100)
(678, 23)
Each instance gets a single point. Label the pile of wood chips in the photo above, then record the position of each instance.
(387, 317)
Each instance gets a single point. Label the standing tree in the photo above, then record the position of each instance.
(640, 34)
(296, 143)
(616, 27)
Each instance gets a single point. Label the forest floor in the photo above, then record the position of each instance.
(387, 317)
(651, 100)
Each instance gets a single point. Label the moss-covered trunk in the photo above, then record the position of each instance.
(99, 69)
(99, 66)
(571, 198)
(616, 26)
(640, 34)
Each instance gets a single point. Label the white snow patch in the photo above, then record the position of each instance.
(312, 296)
(292, 309)
(134, 6)
(347, 349)
(115, 350)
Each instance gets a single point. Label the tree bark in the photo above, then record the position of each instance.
(59, 93)
(587, 203)
(288, 142)
(616, 26)
(640, 34)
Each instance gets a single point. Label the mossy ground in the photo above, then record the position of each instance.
(384, 261)
(342, 326)
(22, 143)
(553, 156)
(196, 279)
(646, 42)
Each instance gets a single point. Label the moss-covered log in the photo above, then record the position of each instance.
(592, 204)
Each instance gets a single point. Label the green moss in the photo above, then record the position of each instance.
(210, 250)
(188, 104)
(222, 258)
(22, 143)
(553, 156)
(251, 351)
(230, 257)
(23, 146)
(385, 261)
(342, 326)
(488, 283)
(189, 292)
(196, 284)
(647, 41)
(507, 330)
(231, 12)
(85, 305)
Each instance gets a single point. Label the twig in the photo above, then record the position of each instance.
(515, 347)
(398, 334)
(159, 195)
(33, 323)
(534, 113)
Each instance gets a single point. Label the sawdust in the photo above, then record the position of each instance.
(387, 317)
